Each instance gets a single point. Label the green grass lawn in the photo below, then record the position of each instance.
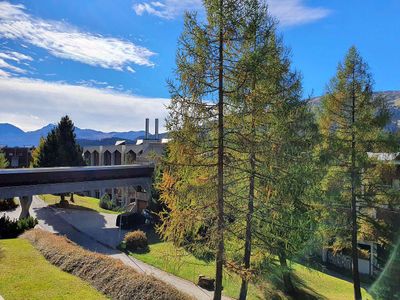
(81, 202)
(25, 274)
(327, 286)
(165, 256)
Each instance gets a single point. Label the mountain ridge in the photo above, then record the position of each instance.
(13, 136)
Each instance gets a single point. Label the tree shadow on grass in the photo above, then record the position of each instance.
(303, 291)
(151, 233)
(274, 287)
(71, 206)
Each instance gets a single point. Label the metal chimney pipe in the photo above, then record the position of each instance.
(156, 129)
(146, 134)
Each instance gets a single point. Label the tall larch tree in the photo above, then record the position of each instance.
(351, 123)
(194, 181)
(270, 138)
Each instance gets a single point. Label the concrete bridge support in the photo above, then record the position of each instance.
(25, 203)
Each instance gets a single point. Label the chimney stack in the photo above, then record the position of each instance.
(146, 134)
(156, 129)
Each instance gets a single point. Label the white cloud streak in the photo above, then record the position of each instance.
(295, 12)
(15, 57)
(31, 104)
(288, 12)
(168, 9)
(65, 41)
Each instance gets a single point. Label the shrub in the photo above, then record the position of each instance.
(106, 203)
(7, 204)
(108, 275)
(13, 228)
(136, 240)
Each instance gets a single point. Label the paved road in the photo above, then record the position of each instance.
(97, 232)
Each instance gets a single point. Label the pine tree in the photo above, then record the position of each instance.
(351, 122)
(69, 151)
(59, 149)
(46, 154)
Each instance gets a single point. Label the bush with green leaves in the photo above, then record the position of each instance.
(109, 204)
(105, 202)
(13, 228)
(136, 240)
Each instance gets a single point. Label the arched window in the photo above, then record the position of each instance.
(96, 157)
(107, 158)
(117, 157)
(130, 157)
(86, 157)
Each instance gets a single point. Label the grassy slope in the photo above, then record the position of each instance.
(25, 274)
(178, 262)
(166, 257)
(327, 286)
(80, 203)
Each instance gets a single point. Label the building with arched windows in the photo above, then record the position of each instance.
(144, 151)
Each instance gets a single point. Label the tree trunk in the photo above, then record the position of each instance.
(354, 244)
(220, 197)
(63, 203)
(250, 210)
(287, 279)
(72, 198)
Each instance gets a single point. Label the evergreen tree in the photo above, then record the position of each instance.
(351, 123)
(59, 149)
(46, 154)
(69, 151)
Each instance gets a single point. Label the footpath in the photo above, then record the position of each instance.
(97, 232)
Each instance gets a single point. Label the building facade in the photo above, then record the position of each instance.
(373, 255)
(144, 151)
(18, 157)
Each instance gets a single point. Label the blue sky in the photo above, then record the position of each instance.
(106, 62)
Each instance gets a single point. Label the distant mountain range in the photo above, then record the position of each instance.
(11, 135)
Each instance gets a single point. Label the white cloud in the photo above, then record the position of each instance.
(31, 104)
(4, 73)
(14, 57)
(294, 12)
(288, 12)
(65, 41)
(6, 65)
(129, 69)
(168, 9)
